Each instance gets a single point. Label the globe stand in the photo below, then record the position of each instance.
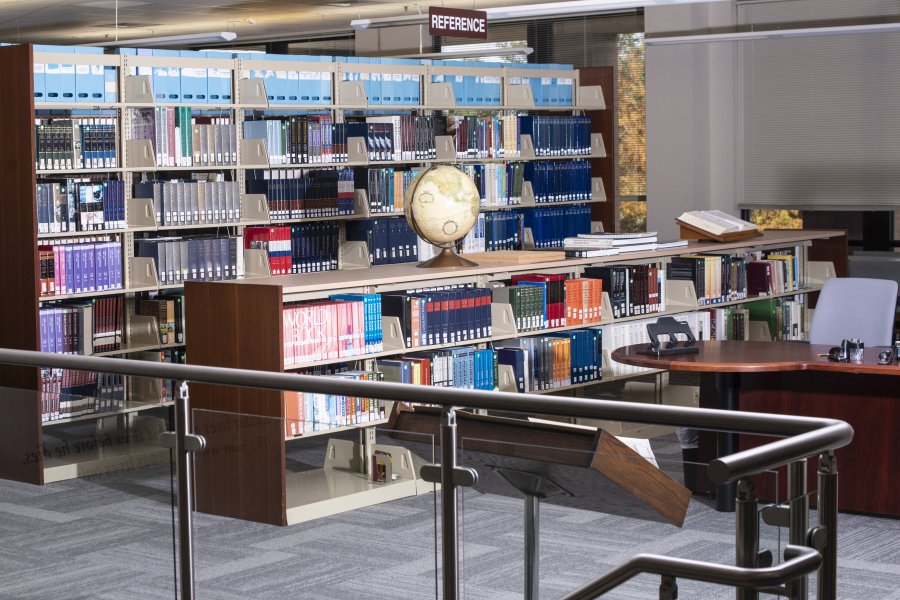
(447, 258)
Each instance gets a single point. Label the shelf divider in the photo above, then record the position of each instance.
(141, 214)
(139, 154)
(254, 208)
(256, 263)
(142, 273)
(440, 95)
(353, 255)
(598, 148)
(352, 94)
(392, 334)
(446, 149)
(139, 89)
(357, 151)
(590, 97)
(253, 91)
(254, 154)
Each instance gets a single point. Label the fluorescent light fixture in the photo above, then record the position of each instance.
(545, 9)
(480, 53)
(747, 36)
(178, 40)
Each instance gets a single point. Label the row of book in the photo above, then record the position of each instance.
(557, 135)
(290, 84)
(550, 226)
(407, 137)
(91, 265)
(207, 258)
(729, 323)
(633, 289)
(492, 231)
(498, 184)
(88, 327)
(494, 136)
(574, 301)
(301, 248)
(554, 360)
(80, 205)
(168, 309)
(66, 394)
(384, 87)
(559, 181)
(389, 240)
(299, 139)
(306, 412)
(68, 82)
(784, 316)
(462, 368)
(304, 193)
(774, 274)
(182, 139)
(716, 278)
(617, 335)
(385, 187)
(192, 202)
(443, 316)
(76, 142)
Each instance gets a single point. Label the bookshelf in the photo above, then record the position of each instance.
(255, 307)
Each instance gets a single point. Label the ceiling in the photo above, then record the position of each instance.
(93, 21)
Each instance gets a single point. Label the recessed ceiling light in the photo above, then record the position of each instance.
(340, 4)
(111, 4)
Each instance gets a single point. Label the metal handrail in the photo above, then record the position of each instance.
(801, 561)
(809, 435)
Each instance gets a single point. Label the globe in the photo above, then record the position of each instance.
(441, 205)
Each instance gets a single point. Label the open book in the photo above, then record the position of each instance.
(715, 224)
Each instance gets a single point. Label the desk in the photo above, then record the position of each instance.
(789, 378)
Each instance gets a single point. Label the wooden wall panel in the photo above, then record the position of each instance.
(20, 428)
(604, 122)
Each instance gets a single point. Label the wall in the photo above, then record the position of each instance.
(690, 115)
(395, 40)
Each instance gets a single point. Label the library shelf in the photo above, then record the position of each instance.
(80, 234)
(91, 294)
(58, 172)
(140, 348)
(255, 307)
(78, 105)
(131, 407)
(98, 460)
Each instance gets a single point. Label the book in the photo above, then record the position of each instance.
(714, 225)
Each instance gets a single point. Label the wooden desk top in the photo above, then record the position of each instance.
(755, 357)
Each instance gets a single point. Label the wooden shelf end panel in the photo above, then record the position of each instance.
(20, 309)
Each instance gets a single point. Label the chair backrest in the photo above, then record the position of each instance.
(855, 307)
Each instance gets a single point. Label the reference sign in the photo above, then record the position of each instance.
(457, 22)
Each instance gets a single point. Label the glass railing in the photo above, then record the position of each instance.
(102, 524)
(343, 499)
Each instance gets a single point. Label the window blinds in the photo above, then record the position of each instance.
(819, 121)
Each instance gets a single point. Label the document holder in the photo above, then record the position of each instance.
(669, 328)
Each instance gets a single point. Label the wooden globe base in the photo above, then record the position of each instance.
(447, 258)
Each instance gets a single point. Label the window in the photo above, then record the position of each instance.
(631, 134)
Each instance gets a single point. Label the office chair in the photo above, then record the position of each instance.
(855, 308)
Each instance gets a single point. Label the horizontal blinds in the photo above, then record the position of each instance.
(585, 41)
(820, 121)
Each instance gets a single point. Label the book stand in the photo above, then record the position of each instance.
(560, 464)
(690, 232)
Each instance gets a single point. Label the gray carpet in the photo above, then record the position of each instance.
(109, 537)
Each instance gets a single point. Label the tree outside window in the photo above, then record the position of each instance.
(631, 134)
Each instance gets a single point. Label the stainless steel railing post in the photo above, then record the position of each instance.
(746, 522)
(185, 465)
(828, 512)
(799, 517)
(449, 532)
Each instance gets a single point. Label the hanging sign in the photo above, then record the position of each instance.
(457, 22)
